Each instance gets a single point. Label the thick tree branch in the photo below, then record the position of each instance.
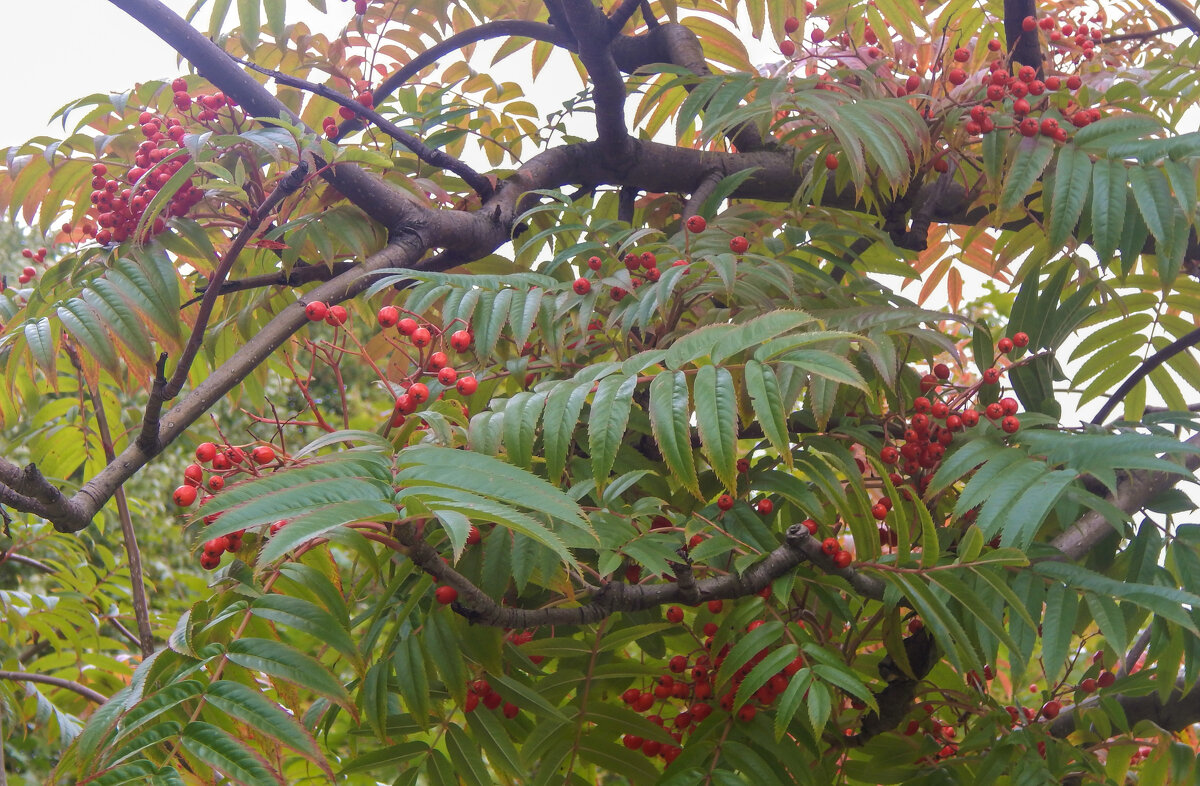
(1023, 45)
(1180, 710)
(58, 682)
(590, 28)
(1132, 495)
(1184, 13)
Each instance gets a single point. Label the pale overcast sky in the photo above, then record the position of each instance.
(59, 50)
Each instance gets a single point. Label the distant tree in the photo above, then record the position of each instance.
(544, 459)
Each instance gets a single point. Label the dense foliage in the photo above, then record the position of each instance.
(589, 438)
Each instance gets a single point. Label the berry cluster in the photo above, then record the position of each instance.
(29, 272)
(942, 411)
(684, 693)
(224, 464)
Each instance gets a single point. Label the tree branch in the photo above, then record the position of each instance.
(590, 28)
(1132, 495)
(1180, 710)
(477, 607)
(436, 158)
(1184, 13)
(1149, 364)
(58, 682)
(1023, 45)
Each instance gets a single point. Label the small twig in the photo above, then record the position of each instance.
(58, 682)
(437, 158)
(147, 439)
(137, 582)
(301, 274)
(626, 201)
(1126, 664)
(624, 12)
(1112, 39)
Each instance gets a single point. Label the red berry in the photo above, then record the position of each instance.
(216, 483)
(765, 507)
(928, 383)
(970, 418)
(1020, 339)
(438, 360)
(460, 340)
(473, 536)
(206, 452)
(421, 337)
(715, 606)
(337, 316)
(1005, 345)
(209, 561)
(941, 371)
(830, 546)
(787, 48)
(674, 615)
(388, 316)
(193, 474)
(594, 263)
(1028, 24)
(879, 511)
(739, 244)
(217, 546)
(743, 465)
(582, 286)
(466, 385)
(818, 36)
(1010, 424)
(811, 526)
(724, 502)
(1074, 82)
(407, 326)
(831, 161)
(791, 25)
(994, 411)
(445, 595)
(263, 454)
(184, 496)
(991, 376)
(1009, 405)
(447, 376)
(1051, 709)
(956, 76)
(1105, 679)
(696, 224)
(316, 311)
(889, 455)
(418, 392)
(962, 55)
(1088, 685)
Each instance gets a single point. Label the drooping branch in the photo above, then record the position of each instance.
(1143, 370)
(57, 682)
(479, 608)
(436, 158)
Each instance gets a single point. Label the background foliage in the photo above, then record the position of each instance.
(575, 429)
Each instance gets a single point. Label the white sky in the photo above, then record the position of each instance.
(60, 50)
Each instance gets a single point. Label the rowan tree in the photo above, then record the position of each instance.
(706, 427)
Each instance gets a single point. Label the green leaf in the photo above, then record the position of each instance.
(826, 365)
(219, 750)
(563, 407)
(1058, 627)
(281, 661)
(264, 716)
(670, 421)
(410, 666)
(756, 331)
(611, 406)
(306, 617)
(1152, 193)
(715, 401)
(765, 397)
(747, 647)
(1033, 154)
(489, 477)
(1072, 179)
